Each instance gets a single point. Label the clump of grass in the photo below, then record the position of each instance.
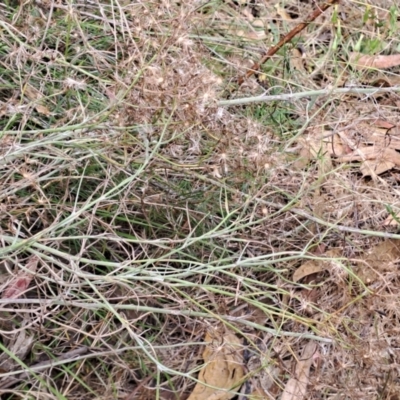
(156, 213)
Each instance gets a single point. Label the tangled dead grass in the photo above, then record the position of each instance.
(139, 214)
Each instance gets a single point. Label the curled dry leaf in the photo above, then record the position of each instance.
(21, 281)
(384, 252)
(364, 61)
(297, 60)
(377, 150)
(20, 347)
(36, 96)
(315, 266)
(380, 159)
(296, 387)
(42, 110)
(318, 143)
(379, 136)
(392, 220)
(337, 147)
(381, 123)
(375, 167)
(254, 35)
(263, 375)
(32, 93)
(283, 13)
(377, 260)
(308, 268)
(223, 370)
(258, 394)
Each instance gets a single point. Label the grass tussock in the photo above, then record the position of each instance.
(139, 213)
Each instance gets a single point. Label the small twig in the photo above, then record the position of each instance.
(287, 38)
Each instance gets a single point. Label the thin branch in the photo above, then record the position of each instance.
(287, 38)
(294, 96)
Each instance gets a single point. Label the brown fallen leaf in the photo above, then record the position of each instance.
(42, 110)
(384, 252)
(362, 153)
(308, 268)
(283, 13)
(32, 93)
(381, 123)
(375, 167)
(315, 266)
(384, 80)
(297, 60)
(337, 147)
(256, 394)
(256, 35)
(364, 61)
(252, 33)
(223, 370)
(20, 346)
(21, 281)
(378, 259)
(296, 387)
(319, 143)
(379, 136)
(382, 159)
(263, 376)
(36, 96)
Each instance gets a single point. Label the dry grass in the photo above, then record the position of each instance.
(156, 214)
